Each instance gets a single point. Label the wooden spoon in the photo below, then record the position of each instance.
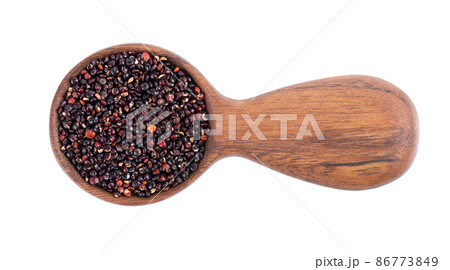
(358, 132)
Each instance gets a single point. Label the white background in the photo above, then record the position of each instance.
(237, 215)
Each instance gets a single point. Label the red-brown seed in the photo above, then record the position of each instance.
(197, 90)
(145, 56)
(94, 180)
(166, 166)
(90, 134)
(170, 97)
(98, 144)
(127, 193)
(151, 128)
(176, 69)
(71, 101)
(204, 138)
(162, 144)
(87, 76)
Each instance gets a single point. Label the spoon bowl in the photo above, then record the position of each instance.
(350, 132)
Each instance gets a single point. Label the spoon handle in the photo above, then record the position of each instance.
(350, 132)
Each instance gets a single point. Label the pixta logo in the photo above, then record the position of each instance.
(306, 128)
(143, 122)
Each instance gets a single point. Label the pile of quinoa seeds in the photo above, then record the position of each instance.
(133, 124)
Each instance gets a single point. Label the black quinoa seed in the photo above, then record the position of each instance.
(93, 124)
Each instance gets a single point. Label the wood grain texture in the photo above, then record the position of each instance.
(369, 125)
